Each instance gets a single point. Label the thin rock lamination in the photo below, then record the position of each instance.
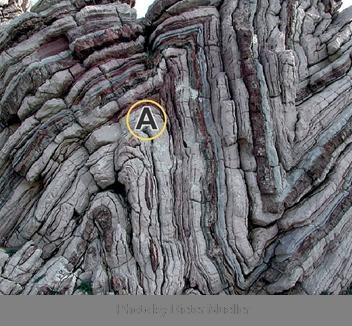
(248, 191)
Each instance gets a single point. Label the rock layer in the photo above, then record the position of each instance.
(248, 191)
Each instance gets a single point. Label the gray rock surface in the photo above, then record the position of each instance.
(248, 190)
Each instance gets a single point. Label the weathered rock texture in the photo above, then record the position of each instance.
(9, 9)
(248, 191)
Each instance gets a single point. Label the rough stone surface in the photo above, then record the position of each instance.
(248, 190)
(12, 8)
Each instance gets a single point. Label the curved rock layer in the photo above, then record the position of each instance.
(248, 191)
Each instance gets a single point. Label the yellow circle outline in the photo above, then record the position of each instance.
(129, 115)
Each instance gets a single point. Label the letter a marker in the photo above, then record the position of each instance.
(146, 120)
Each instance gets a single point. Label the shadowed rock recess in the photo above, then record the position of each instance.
(247, 192)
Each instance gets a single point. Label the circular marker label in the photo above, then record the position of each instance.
(146, 119)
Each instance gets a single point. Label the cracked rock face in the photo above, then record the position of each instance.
(248, 190)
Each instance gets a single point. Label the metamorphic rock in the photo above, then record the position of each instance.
(247, 192)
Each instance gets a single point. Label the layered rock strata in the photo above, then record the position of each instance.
(248, 191)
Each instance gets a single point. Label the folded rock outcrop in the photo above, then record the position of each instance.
(248, 190)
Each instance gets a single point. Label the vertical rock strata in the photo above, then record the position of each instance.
(248, 190)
